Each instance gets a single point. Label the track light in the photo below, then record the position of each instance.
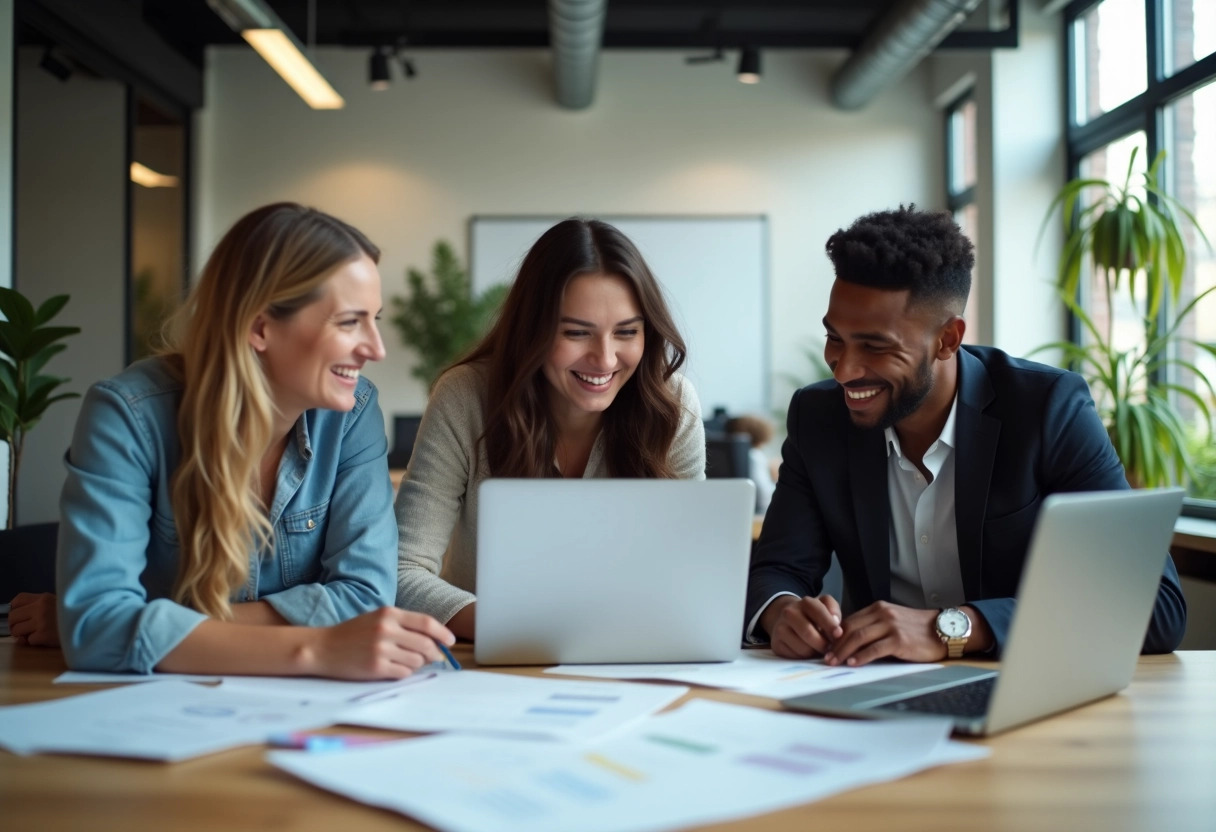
(378, 74)
(378, 71)
(749, 65)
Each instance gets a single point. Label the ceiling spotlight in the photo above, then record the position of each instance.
(749, 65)
(378, 71)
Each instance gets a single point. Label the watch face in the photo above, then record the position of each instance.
(953, 623)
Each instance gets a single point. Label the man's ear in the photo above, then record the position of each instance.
(258, 338)
(950, 337)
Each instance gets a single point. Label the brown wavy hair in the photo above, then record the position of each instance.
(641, 423)
(275, 260)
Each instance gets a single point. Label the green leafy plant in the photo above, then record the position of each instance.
(27, 343)
(1135, 244)
(441, 319)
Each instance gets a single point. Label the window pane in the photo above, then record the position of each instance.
(962, 147)
(1191, 124)
(158, 257)
(968, 219)
(1111, 63)
(1190, 32)
(1110, 163)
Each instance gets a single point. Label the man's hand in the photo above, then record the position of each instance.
(799, 628)
(884, 630)
(34, 620)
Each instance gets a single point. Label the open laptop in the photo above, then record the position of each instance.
(1084, 603)
(591, 571)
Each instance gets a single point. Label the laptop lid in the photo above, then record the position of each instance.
(1084, 601)
(612, 570)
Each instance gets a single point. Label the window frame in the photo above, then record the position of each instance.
(1145, 111)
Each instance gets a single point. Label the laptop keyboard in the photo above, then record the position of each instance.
(967, 700)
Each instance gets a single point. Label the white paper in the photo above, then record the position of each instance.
(170, 720)
(303, 690)
(313, 691)
(78, 677)
(704, 763)
(500, 703)
(757, 672)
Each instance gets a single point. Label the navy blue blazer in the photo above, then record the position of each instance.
(1022, 431)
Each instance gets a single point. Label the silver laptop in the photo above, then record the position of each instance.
(588, 571)
(1084, 603)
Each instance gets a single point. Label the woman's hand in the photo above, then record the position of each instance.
(34, 620)
(388, 643)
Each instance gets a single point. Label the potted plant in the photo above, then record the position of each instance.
(27, 343)
(1134, 242)
(441, 318)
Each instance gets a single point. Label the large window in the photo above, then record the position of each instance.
(962, 163)
(1143, 75)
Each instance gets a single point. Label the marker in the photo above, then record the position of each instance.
(447, 654)
(322, 742)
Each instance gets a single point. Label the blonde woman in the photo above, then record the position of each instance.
(239, 484)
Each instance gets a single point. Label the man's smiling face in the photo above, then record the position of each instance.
(881, 352)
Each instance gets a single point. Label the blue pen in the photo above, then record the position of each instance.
(447, 654)
(321, 742)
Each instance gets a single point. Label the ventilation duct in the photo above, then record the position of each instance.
(576, 28)
(894, 45)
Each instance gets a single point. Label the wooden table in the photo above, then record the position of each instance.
(1142, 760)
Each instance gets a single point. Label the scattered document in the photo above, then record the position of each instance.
(319, 691)
(80, 677)
(469, 700)
(303, 690)
(758, 672)
(706, 762)
(171, 720)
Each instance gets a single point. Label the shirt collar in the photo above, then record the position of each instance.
(303, 444)
(946, 437)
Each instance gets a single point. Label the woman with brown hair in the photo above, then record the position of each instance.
(577, 378)
(239, 483)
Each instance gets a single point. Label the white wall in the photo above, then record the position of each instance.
(478, 132)
(71, 180)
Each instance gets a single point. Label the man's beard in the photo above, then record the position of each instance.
(910, 398)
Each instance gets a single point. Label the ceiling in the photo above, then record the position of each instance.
(190, 25)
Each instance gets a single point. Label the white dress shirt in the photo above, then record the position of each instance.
(925, 571)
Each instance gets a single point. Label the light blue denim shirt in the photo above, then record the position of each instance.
(335, 535)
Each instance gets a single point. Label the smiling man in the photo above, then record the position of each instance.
(921, 464)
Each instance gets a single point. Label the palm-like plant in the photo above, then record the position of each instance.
(26, 345)
(1127, 238)
(441, 318)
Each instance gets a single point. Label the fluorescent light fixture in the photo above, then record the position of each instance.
(285, 58)
(265, 32)
(144, 175)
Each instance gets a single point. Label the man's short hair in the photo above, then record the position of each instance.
(921, 251)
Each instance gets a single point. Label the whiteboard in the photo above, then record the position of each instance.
(714, 273)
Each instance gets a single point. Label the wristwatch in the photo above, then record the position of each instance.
(953, 628)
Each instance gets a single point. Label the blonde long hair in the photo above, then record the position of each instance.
(274, 261)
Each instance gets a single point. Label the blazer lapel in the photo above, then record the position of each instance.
(872, 510)
(976, 437)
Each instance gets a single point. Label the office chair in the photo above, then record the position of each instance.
(27, 559)
(405, 431)
(726, 455)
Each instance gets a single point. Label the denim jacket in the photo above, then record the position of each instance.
(335, 535)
